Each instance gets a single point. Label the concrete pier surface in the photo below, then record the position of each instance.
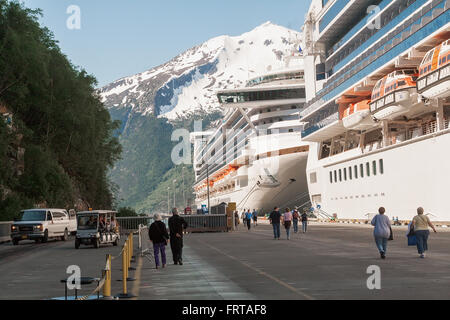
(328, 262)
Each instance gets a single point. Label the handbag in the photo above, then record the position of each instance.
(391, 235)
(412, 240)
(411, 231)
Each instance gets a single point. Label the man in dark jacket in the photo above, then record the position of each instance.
(159, 236)
(275, 219)
(176, 226)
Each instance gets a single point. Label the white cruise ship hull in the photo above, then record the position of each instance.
(416, 174)
(290, 190)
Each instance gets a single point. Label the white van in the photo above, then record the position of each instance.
(42, 224)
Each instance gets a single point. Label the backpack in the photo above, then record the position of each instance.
(295, 215)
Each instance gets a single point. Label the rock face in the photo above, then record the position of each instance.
(189, 82)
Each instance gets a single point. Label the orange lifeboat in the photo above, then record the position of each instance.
(357, 116)
(434, 72)
(394, 95)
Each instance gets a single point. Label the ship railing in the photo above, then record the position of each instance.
(297, 199)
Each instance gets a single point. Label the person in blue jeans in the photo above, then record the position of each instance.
(382, 231)
(420, 226)
(295, 217)
(275, 219)
(304, 222)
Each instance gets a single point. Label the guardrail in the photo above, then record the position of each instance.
(5, 231)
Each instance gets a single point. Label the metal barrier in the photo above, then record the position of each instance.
(206, 223)
(5, 231)
(144, 246)
(131, 224)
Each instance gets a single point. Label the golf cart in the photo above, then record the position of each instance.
(96, 228)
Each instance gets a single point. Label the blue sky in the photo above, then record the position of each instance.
(120, 38)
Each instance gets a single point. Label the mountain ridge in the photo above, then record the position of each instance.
(188, 82)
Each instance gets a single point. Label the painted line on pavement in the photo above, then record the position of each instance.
(281, 282)
(136, 285)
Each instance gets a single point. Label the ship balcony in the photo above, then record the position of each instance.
(273, 114)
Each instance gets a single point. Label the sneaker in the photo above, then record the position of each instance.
(180, 263)
(175, 263)
(422, 256)
(383, 256)
(164, 266)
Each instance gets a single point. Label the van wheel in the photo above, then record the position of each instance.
(45, 238)
(65, 237)
(77, 243)
(96, 243)
(15, 242)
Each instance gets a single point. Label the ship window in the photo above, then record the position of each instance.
(335, 176)
(368, 169)
(331, 176)
(340, 175)
(361, 170)
(429, 67)
(444, 59)
(291, 130)
(313, 177)
(381, 166)
(345, 174)
(401, 83)
(356, 172)
(350, 173)
(374, 168)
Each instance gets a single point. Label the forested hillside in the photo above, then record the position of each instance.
(56, 137)
(147, 170)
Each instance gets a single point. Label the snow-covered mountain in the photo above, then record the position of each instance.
(189, 82)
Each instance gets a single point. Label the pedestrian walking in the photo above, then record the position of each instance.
(244, 217)
(159, 236)
(176, 226)
(304, 222)
(420, 226)
(236, 219)
(287, 221)
(382, 231)
(248, 219)
(255, 217)
(275, 219)
(295, 217)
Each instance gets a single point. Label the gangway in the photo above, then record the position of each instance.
(324, 215)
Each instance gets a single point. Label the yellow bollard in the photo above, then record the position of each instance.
(125, 294)
(107, 285)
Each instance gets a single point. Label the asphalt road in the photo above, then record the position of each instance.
(32, 271)
(329, 262)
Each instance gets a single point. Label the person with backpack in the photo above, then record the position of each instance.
(295, 217)
(304, 221)
(419, 228)
(255, 217)
(287, 221)
(248, 219)
(159, 237)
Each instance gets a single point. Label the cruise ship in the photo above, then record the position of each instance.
(256, 158)
(377, 80)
